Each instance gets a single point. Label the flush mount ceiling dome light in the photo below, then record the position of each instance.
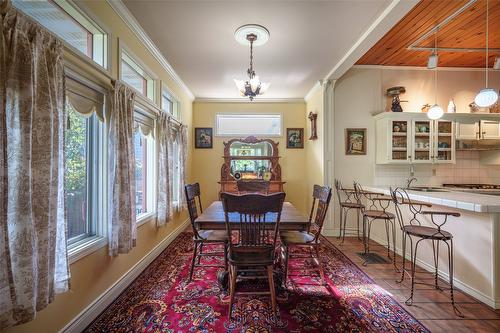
(253, 35)
(487, 96)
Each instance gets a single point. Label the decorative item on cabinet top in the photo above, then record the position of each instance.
(393, 94)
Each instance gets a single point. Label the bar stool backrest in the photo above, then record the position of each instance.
(369, 200)
(401, 198)
(344, 195)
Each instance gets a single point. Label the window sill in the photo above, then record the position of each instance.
(144, 218)
(85, 247)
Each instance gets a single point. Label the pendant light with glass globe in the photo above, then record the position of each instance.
(435, 112)
(487, 96)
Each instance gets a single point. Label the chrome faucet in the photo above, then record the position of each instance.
(409, 181)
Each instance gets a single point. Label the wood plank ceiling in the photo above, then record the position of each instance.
(466, 30)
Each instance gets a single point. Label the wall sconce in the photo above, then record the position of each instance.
(312, 117)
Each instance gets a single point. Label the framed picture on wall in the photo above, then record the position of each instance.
(295, 138)
(203, 137)
(355, 141)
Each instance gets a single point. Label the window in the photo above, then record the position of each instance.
(170, 104)
(145, 160)
(83, 165)
(248, 124)
(135, 76)
(70, 24)
(81, 175)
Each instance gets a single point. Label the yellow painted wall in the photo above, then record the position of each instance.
(314, 148)
(207, 162)
(94, 274)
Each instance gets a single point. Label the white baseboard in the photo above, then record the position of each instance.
(495, 304)
(84, 318)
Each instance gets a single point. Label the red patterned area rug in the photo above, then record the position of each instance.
(162, 300)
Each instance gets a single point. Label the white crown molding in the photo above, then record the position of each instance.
(316, 86)
(136, 28)
(247, 101)
(422, 68)
(90, 313)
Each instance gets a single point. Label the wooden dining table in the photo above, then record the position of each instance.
(213, 218)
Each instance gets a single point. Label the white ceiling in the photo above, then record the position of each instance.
(308, 38)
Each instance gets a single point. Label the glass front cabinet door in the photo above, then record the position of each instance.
(444, 142)
(422, 141)
(400, 147)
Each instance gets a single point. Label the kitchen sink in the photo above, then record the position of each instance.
(427, 189)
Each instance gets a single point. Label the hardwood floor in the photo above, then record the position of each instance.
(431, 307)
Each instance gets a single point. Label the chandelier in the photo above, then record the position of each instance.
(258, 35)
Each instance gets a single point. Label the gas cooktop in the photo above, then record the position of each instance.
(474, 186)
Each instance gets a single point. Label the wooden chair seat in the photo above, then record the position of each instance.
(351, 205)
(296, 237)
(214, 236)
(427, 232)
(260, 257)
(378, 214)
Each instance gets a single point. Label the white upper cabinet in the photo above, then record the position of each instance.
(490, 129)
(467, 130)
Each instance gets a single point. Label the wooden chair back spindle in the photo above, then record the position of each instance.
(322, 196)
(193, 195)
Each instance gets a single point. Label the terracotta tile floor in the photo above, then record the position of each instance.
(431, 307)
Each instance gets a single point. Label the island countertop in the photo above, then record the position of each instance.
(480, 203)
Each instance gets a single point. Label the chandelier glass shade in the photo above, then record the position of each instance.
(252, 86)
(435, 112)
(487, 96)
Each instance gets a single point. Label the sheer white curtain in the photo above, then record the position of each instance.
(122, 227)
(164, 207)
(33, 258)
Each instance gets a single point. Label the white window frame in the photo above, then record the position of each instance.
(141, 69)
(176, 107)
(88, 245)
(240, 114)
(152, 166)
(97, 25)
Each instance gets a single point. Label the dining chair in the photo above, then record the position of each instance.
(347, 201)
(375, 208)
(252, 253)
(246, 186)
(202, 237)
(309, 238)
(415, 229)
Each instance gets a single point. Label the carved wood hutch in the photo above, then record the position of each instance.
(250, 158)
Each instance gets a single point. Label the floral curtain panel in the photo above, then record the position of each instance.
(33, 258)
(164, 206)
(122, 227)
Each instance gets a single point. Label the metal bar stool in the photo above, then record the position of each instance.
(347, 201)
(436, 235)
(375, 209)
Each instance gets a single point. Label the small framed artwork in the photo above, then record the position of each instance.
(203, 137)
(355, 141)
(295, 138)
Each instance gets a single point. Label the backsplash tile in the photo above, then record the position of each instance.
(466, 170)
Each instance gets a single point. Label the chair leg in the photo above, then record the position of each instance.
(193, 261)
(435, 252)
(341, 221)
(364, 233)
(201, 251)
(232, 287)
(450, 273)
(393, 224)
(413, 264)
(225, 256)
(286, 265)
(271, 287)
(357, 221)
(320, 264)
(388, 239)
(344, 225)
(404, 258)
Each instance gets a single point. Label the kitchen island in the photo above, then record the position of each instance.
(476, 238)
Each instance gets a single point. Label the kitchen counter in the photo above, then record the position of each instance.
(474, 202)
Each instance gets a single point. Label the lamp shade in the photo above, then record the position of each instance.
(435, 112)
(486, 97)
